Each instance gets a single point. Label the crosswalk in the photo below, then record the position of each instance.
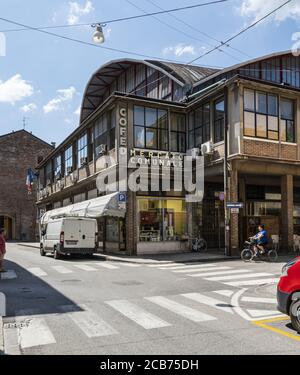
(220, 273)
(33, 329)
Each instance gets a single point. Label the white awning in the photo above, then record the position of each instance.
(108, 205)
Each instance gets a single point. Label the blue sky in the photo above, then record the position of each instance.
(43, 78)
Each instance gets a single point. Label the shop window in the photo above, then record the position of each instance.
(287, 125)
(82, 150)
(219, 120)
(112, 229)
(199, 126)
(150, 128)
(261, 115)
(162, 219)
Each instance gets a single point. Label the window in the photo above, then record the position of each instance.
(112, 129)
(57, 166)
(219, 120)
(82, 150)
(178, 132)
(261, 114)
(161, 219)
(68, 160)
(199, 126)
(48, 173)
(287, 125)
(150, 128)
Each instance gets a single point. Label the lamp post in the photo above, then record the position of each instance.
(226, 189)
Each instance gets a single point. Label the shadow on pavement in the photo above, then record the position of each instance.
(32, 294)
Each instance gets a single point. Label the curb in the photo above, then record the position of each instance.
(2, 313)
(27, 245)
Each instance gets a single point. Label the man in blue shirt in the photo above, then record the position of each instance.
(261, 238)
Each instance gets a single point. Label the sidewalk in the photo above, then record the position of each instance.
(212, 255)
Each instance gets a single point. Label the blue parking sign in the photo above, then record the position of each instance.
(122, 198)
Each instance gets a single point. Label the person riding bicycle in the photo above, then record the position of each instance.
(261, 239)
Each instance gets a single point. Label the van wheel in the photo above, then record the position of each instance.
(56, 254)
(295, 314)
(42, 251)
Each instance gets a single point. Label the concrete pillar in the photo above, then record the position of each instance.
(287, 208)
(131, 224)
(234, 218)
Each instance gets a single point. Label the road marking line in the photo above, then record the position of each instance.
(179, 309)
(235, 302)
(226, 293)
(62, 269)
(260, 313)
(191, 266)
(209, 301)
(36, 271)
(224, 272)
(126, 264)
(84, 267)
(137, 314)
(107, 265)
(34, 330)
(264, 324)
(8, 275)
(196, 269)
(260, 300)
(235, 277)
(11, 346)
(89, 322)
(253, 282)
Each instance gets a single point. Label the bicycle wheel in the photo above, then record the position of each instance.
(272, 255)
(202, 245)
(247, 255)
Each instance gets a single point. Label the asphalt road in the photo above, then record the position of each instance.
(90, 306)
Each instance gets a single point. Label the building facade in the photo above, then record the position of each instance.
(164, 111)
(19, 151)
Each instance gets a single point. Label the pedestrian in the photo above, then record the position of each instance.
(2, 249)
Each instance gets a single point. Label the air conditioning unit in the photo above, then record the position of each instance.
(83, 160)
(74, 177)
(101, 150)
(207, 148)
(69, 170)
(193, 152)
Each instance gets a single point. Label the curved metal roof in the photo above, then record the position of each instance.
(107, 73)
(240, 65)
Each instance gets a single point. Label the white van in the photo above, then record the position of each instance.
(69, 235)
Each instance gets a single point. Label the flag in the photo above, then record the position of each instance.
(29, 180)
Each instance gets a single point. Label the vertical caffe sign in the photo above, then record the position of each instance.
(123, 128)
(122, 143)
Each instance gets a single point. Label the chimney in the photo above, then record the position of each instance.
(53, 144)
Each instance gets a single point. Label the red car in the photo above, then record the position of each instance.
(288, 292)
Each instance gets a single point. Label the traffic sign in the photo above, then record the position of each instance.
(235, 205)
(122, 198)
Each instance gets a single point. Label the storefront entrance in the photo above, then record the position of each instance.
(7, 224)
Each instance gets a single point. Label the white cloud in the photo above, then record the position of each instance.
(77, 112)
(15, 89)
(63, 95)
(179, 50)
(28, 107)
(76, 11)
(259, 8)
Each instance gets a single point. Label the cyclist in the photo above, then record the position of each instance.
(261, 239)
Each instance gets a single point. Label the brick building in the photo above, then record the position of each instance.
(155, 109)
(19, 151)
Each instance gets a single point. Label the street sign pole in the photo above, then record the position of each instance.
(226, 190)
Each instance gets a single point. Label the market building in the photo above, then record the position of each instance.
(164, 111)
(19, 151)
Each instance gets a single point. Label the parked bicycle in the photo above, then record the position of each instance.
(198, 244)
(251, 252)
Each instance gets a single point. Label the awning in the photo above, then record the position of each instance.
(108, 205)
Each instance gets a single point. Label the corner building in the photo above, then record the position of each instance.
(156, 110)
